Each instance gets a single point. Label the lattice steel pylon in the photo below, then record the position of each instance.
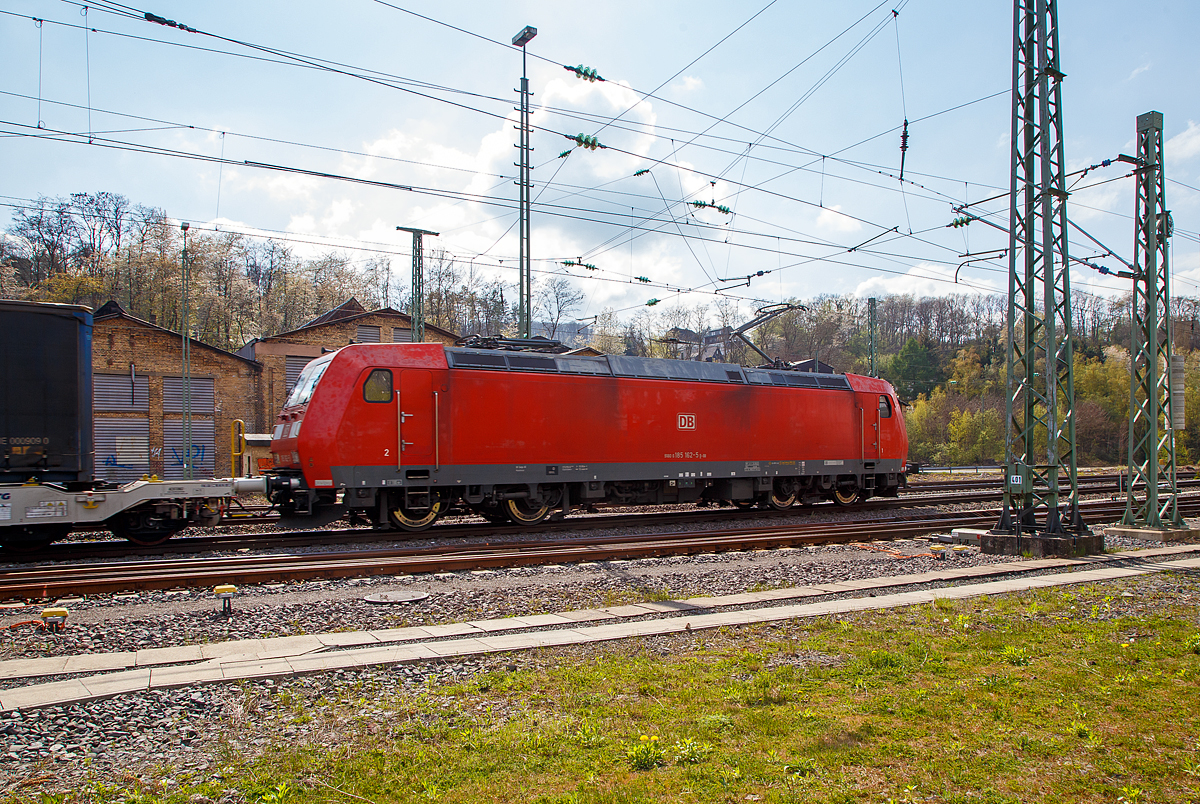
(1040, 442)
(1151, 437)
(417, 302)
(872, 328)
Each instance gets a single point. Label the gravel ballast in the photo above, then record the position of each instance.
(190, 729)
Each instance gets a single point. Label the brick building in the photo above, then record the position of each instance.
(138, 399)
(138, 388)
(285, 355)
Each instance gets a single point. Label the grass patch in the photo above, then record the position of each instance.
(1014, 699)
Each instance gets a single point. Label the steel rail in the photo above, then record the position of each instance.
(42, 582)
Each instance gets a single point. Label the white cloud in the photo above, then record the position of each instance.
(687, 83)
(1138, 71)
(280, 186)
(831, 220)
(927, 280)
(1184, 145)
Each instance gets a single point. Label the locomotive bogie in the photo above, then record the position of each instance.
(412, 431)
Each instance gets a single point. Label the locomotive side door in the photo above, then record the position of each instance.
(868, 406)
(415, 417)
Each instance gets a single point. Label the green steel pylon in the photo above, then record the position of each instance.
(1151, 418)
(872, 328)
(417, 304)
(1040, 443)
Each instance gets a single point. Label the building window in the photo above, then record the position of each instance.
(378, 387)
(295, 365)
(201, 391)
(367, 334)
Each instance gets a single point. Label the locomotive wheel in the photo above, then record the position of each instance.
(845, 497)
(523, 512)
(415, 520)
(781, 501)
(145, 529)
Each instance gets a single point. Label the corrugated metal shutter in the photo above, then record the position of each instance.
(203, 449)
(367, 334)
(295, 365)
(203, 397)
(122, 448)
(401, 335)
(119, 392)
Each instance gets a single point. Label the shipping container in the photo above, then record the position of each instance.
(45, 392)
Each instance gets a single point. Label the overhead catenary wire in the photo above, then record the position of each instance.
(306, 62)
(90, 132)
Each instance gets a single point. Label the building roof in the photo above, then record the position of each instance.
(112, 309)
(815, 366)
(350, 310)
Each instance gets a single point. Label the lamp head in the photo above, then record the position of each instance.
(527, 33)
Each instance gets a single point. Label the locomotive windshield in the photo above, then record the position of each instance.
(307, 382)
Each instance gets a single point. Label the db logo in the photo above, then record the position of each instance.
(687, 421)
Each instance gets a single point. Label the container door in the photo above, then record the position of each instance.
(869, 407)
(416, 417)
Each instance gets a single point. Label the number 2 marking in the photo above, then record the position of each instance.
(387, 452)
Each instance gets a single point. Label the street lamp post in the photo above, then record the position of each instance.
(524, 313)
(186, 379)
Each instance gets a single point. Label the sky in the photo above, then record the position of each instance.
(787, 114)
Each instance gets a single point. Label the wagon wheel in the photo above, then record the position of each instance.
(522, 512)
(27, 538)
(781, 499)
(414, 519)
(144, 528)
(845, 497)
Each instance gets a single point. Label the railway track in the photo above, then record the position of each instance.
(82, 578)
(964, 492)
(264, 514)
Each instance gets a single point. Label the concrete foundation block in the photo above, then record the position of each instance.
(1040, 546)
(1167, 535)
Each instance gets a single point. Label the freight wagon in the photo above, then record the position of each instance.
(47, 483)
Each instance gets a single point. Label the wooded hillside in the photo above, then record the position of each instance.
(943, 354)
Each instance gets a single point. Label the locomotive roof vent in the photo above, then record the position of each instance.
(512, 344)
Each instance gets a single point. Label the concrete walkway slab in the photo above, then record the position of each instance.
(52, 694)
(283, 656)
(398, 634)
(170, 677)
(173, 655)
(107, 686)
(347, 639)
(632, 610)
(97, 662)
(587, 615)
(449, 630)
(29, 668)
(273, 668)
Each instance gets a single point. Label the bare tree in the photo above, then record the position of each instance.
(555, 299)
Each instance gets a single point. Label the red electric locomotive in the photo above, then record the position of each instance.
(408, 430)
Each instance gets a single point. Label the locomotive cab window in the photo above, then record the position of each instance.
(378, 387)
(885, 407)
(307, 383)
